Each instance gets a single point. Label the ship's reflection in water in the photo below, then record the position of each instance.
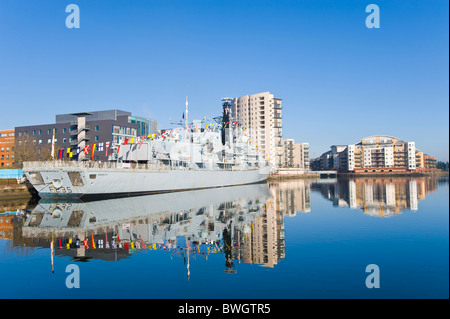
(245, 224)
(230, 221)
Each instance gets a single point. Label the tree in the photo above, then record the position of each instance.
(27, 149)
(442, 165)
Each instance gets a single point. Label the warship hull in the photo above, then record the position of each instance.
(97, 182)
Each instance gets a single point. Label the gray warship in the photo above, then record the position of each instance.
(186, 159)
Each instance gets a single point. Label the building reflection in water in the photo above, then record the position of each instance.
(239, 222)
(381, 197)
(245, 224)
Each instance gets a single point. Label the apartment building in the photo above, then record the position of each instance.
(7, 141)
(287, 153)
(260, 115)
(378, 153)
(381, 153)
(429, 162)
(294, 155)
(301, 155)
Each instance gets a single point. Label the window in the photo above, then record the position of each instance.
(40, 132)
(96, 138)
(7, 148)
(64, 140)
(11, 134)
(97, 128)
(64, 130)
(34, 132)
(2, 149)
(49, 131)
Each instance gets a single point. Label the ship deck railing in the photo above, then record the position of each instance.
(157, 166)
(74, 165)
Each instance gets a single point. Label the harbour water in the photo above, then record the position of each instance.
(285, 240)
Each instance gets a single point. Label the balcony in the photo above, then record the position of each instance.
(277, 106)
(277, 116)
(78, 141)
(79, 130)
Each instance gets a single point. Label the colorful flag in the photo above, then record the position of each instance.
(125, 142)
(93, 150)
(107, 242)
(86, 150)
(69, 152)
(53, 144)
(107, 148)
(142, 141)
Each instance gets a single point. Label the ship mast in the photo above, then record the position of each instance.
(186, 117)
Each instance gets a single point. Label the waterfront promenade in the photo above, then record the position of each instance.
(292, 173)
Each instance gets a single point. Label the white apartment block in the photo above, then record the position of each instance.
(260, 115)
(301, 155)
(351, 158)
(411, 155)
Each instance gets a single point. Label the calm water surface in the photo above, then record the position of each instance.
(296, 239)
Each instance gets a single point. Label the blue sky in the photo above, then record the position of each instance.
(339, 80)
